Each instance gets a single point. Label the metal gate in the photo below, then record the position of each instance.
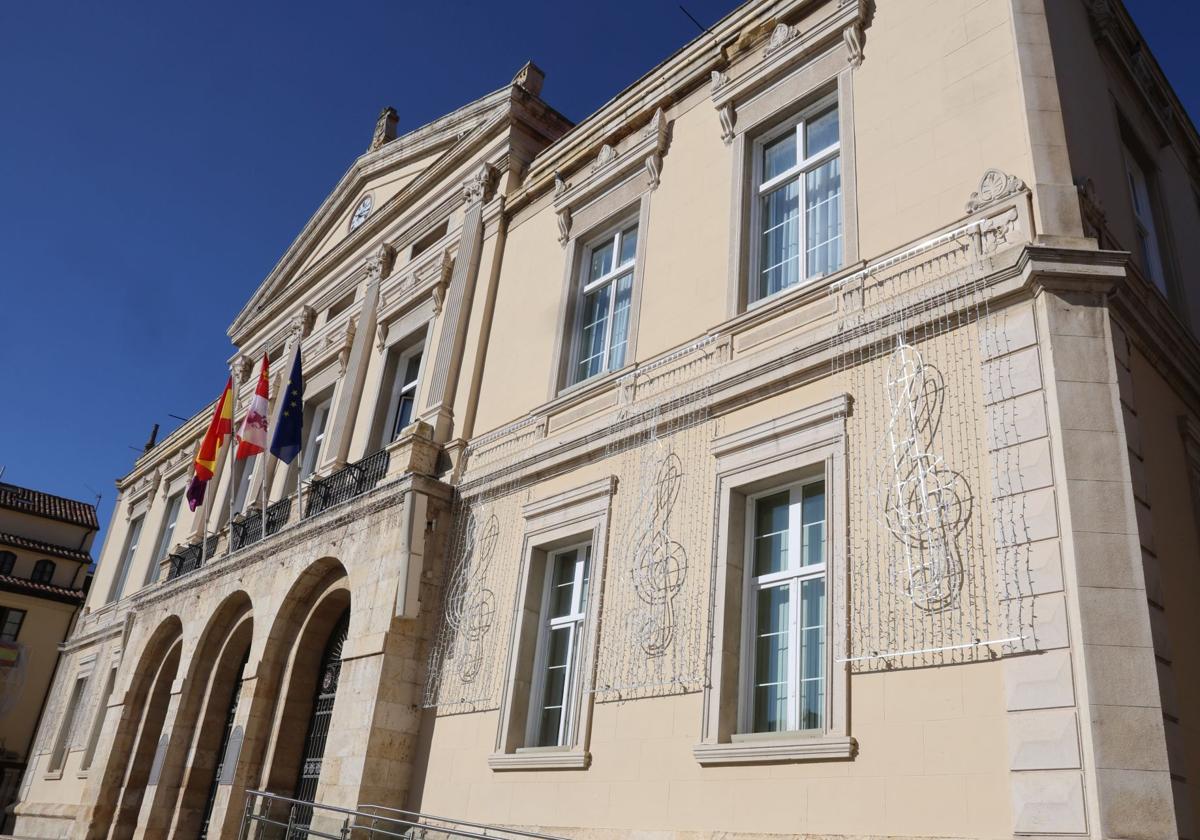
(322, 713)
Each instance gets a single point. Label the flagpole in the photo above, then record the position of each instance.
(262, 467)
(232, 464)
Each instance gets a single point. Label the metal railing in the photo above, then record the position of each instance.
(250, 529)
(191, 558)
(350, 481)
(269, 816)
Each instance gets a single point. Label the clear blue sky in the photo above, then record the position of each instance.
(156, 159)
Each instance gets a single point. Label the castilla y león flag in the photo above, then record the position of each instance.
(252, 439)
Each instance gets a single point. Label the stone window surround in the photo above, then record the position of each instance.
(768, 454)
(570, 517)
(83, 673)
(746, 118)
(624, 203)
(404, 336)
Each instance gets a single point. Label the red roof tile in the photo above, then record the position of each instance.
(52, 507)
(39, 547)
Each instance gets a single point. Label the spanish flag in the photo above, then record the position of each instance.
(220, 426)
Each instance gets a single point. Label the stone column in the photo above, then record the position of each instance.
(345, 408)
(456, 314)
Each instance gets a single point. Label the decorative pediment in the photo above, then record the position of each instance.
(429, 276)
(993, 187)
(611, 165)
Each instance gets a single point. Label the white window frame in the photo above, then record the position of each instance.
(247, 466)
(797, 173)
(790, 449)
(133, 539)
(315, 438)
(793, 577)
(166, 535)
(612, 233)
(400, 389)
(574, 621)
(1141, 202)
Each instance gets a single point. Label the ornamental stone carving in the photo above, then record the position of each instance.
(385, 128)
(780, 36)
(719, 80)
(560, 186)
(302, 324)
(727, 117)
(994, 186)
(530, 78)
(564, 225)
(607, 155)
(852, 36)
(379, 264)
(480, 186)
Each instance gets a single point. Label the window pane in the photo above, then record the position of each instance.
(563, 584)
(412, 369)
(591, 339)
(403, 414)
(771, 650)
(821, 131)
(812, 515)
(823, 218)
(628, 244)
(620, 327)
(771, 534)
(812, 653)
(549, 726)
(779, 156)
(779, 262)
(587, 572)
(602, 261)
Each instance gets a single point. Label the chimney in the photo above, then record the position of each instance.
(153, 439)
(385, 128)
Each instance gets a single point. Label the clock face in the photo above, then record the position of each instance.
(361, 212)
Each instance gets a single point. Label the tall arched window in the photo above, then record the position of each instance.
(43, 571)
(7, 558)
(322, 714)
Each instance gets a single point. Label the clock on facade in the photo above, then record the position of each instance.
(362, 211)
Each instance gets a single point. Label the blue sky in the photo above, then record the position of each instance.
(156, 159)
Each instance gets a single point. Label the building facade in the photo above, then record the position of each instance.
(807, 442)
(45, 569)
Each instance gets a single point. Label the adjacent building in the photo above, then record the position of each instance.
(806, 442)
(45, 568)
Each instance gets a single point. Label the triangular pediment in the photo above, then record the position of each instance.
(394, 172)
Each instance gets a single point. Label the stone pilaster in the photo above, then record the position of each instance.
(349, 395)
(170, 756)
(456, 314)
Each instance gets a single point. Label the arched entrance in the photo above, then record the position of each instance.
(223, 752)
(328, 673)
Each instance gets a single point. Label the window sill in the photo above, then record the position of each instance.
(53, 775)
(541, 758)
(776, 748)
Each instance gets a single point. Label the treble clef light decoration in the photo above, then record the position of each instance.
(926, 505)
(660, 564)
(472, 606)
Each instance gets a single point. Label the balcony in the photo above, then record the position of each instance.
(344, 484)
(191, 558)
(249, 529)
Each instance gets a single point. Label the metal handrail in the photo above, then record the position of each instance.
(395, 824)
(454, 821)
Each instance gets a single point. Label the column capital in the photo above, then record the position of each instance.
(478, 189)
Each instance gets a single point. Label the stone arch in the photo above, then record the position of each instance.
(309, 610)
(136, 746)
(190, 758)
(108, 778)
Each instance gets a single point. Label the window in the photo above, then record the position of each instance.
(785, 610)
(1143, 217)
(43, 571)
(606, 292)
(422, 244)
(94, 736)
(779, 684)
(564, 606)
(798, 210)
(167, 537)
(126, 562)
(10, 623)
(245, 473)
(7, 559)
(59, 753)
(316, 437)
(339, 306)
(405, 378)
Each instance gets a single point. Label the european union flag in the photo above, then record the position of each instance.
(289, 429)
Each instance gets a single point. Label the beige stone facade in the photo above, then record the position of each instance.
(807, 442)
(45, 560)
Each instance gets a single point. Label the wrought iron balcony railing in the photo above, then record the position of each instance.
(191, 558)
(350, 481)
(250, 529)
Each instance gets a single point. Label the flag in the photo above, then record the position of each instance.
(289, 425)
(195, 492)
(220, 425)
(252, 439)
